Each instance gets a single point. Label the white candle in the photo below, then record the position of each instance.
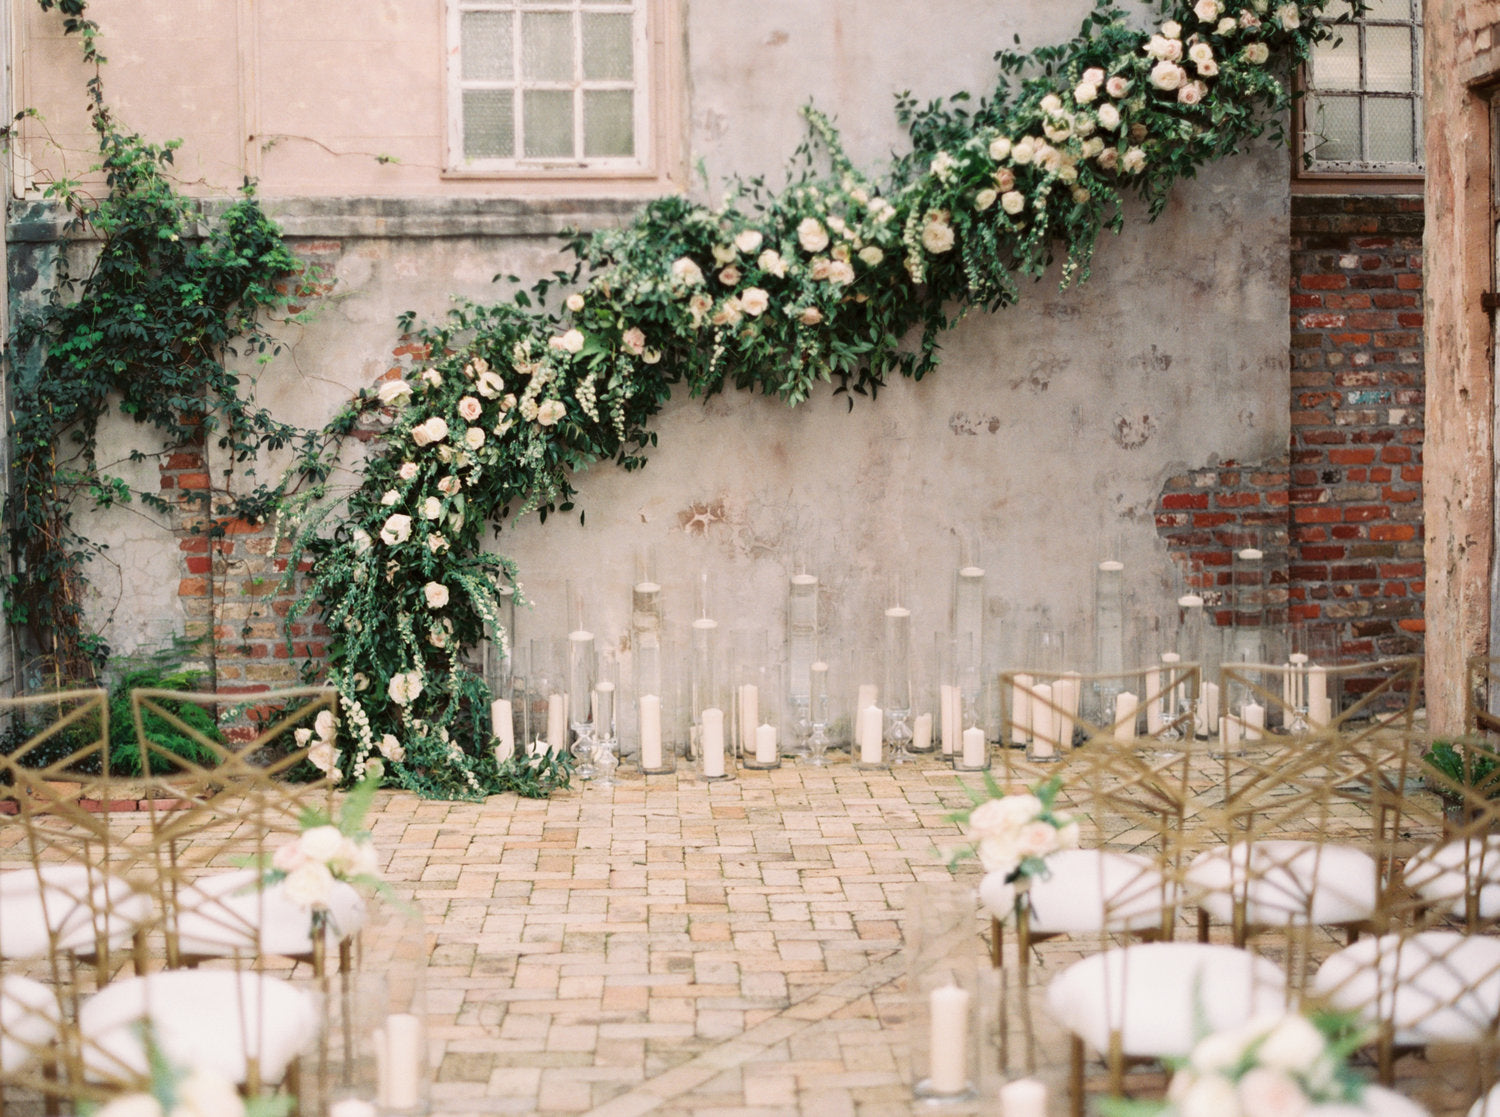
(383, 1063)
(949, 710)
(1153, 702)
(404, 1058)
(1025, 1097)
(1229, 731)
(1253, 715)
(974, 751)
(765, 744)
(1065, 695)
(867, 693)
(503, 729)
(948, 1043)
(871, 733)
(921, 733)
(713, 741)
(1317, 684)
(1020, 709)
(650, 717)
(749, 716)
(1252, 554)
(1126, 705)
(1320, 711)
(557, 723)
(352, 1107)
(1043, 722)
(1208, 713)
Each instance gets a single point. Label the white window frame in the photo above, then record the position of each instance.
(1363, 97)
(642, 84)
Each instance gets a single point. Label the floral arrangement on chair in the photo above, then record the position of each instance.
(1284, 1065)
(179, 1092)
(1013, 835)
(329, 851)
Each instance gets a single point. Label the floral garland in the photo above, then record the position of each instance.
(819, 283)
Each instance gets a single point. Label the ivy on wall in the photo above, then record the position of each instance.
(837, 279)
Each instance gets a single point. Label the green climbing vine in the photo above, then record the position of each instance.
(838, 279)
(151, 326)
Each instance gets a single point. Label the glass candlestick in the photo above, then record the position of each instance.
(606, 706)
(895, 687)
(1109, 637)
(582, 655)
(801, 651)
(819, 713)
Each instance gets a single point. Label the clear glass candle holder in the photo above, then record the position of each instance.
(944, 1017)
(762, 747)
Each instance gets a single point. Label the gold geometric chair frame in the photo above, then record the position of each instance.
(1389, 694)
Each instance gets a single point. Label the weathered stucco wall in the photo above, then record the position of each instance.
(1462, 54)
(1049, 428)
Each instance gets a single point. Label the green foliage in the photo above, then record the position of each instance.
(152, 323)
(163, 672)
(1466, 767)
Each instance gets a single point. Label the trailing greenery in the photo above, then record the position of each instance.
(151, 326)
(839, 278)
(1465, 768)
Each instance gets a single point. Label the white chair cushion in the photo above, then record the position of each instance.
(1444, 874)
(72, 904)
(1433, 987)
(1487, 1105)
(1285, 882)
(209, 1019)
(228, 913)
(1156, 995)
(1376, 1101)
(1087, 887)
(29, 1019)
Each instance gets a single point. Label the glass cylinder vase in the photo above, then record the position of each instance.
(801, 654)
(945, 999)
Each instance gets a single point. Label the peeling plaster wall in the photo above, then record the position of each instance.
(1048, 429)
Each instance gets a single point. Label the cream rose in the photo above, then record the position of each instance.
(396, 529)
(574, 302)
(1226, 26)
(393, 392)
(1167, 76)
(432, 378)
(309, 886)
(748, 241)
(1133, 161)
(1117, 87)
(811, 235)
(470, 408)
(1289, 17)
(1000, 148)
(1207, 10)
(1172, 29)
(1005, 179)
(937, 234)
(685, 269)
(404, 687)
(392, 749)
(362, 541)
(811, 316)
(407, 471)
(550, 412)
(1268, 1093)
(1192, 93)
(984, 199)
(570, 341)
(390, 498)
(633, 341)
(320, 843)
(771, 263)
(1022, 152)
(432, 430)
(324, 757)
(871, 256)
(1256, 53)
(1085, 92)
(1109, 158)
(489, 384)
(729, 276)
(1051, 103)
(1012, 202)
(432, 508)
(755, 301)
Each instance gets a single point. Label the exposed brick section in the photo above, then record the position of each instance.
(1342, 514)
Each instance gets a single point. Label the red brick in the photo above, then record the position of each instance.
(1211, 519)
(192, 587)
(1409, 282)
(184, 460)
(1315, 514)
(1397, 533)
(1321, 321)
(198, 564)
(192, 481)
(1237, 500)
(1360, 513)
(1412, 624)
(1185, 501)
(1323, 282)
(1351, 457)
(1402, 570)
(1401, 496)
(1323, 554)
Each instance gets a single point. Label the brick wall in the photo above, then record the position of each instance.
(1343, 511)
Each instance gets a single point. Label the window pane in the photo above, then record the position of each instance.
(487, 52)
(1335, 65)
(1391, 133)
(1335, 128)
(1388, 9)
(1388, 59)
(607, 49)
(489, 124)
(609, 123)
(547, 46)
(547, 123)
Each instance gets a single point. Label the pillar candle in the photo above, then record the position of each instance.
(1043, 721)
(1320, 710)
(1025, 1097)
(503, 729)
(1294, 685)
(1126, 705)
(1065, 693)
(404, 1058)
(650, 716)
(1020, 709)
(974, 751)
(1153, 702)
(557, 723)
(948, 1044)
(870, 735)
(749, 716)
(352, 1107)
(1175, 697)
(1254, 717)
(1208, 709)
(713, 741)
(948, 712)
(1317, 684)
(921, 733)
(765, 744)
(1229, 731)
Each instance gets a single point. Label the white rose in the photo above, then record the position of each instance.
(320, 843)
(633, 341)
(1067, 172)
(1172, 29)
(362, 541)
(436, 543)
(404, 687)
(1293, 1046)
(1109, 158)
(393, 392)
(997, 897)
(1005, 179)
(998, 855)
(309, 886)
(1036, 839)
(722, 254)
(474, 438)
(1085, 92)
(1207, 10)
(1000, 149)
(730, 276)
(1268, 1093)
(1081, 195)
(937, 234)
(575, 302)
(687, 270)
(436, 594)
(1209, 1096)
(550, 412)
(811, 316)
(1256, 53)
(432, 378)
(323, 724)
(983, 200)
(771, 263)
(1093, 75)
(392, 749)
(988, 819)
(407, 471)
(449, 485)
(1051, 103)
(1192, 93)
(1022, 152)
(132, 1105)
(1218, 1051)
(1117, 87)
(748, 241)
(389, 498)
(1133, 161)
(433, 430)
(1017, 810)
(1227, 26)
(1167, 75)
(1288, 16)
(755, 301)
(205, 1094)
(1200, 53)
(1012, 202)
(1208, 69)
(871, 255)
(1068, 836)
(1092, 147)
(489, 384)
(470, 408)
(361, 682)
(397, 529)
(288, 856)
(432, 508)
(811, 235)
(569, 342)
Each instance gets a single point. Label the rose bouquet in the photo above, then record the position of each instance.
(328, 851)
(1280, 1066)
(1013, 835)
